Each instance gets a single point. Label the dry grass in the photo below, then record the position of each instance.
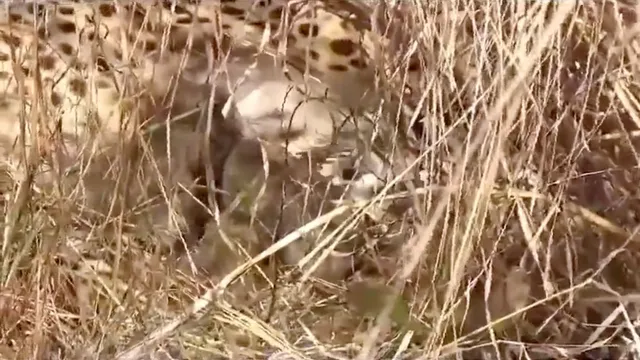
(521, 241)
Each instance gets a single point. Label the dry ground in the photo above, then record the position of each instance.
(521, 241)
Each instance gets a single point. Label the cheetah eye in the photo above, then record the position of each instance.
(349, 173)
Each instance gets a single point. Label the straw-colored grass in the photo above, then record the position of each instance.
(520, 238)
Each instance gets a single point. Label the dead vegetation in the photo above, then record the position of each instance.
(520, 238)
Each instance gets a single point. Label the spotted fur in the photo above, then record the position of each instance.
(98, 70)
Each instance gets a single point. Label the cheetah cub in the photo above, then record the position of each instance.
(262, 202)
(157, 181)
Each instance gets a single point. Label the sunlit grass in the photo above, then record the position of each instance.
(522, 239)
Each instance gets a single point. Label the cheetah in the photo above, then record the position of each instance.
(103, 69)
(78, 78)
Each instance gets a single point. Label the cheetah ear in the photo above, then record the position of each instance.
(230, 109)
(233, 120)
(227, 108)
(224, 101)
